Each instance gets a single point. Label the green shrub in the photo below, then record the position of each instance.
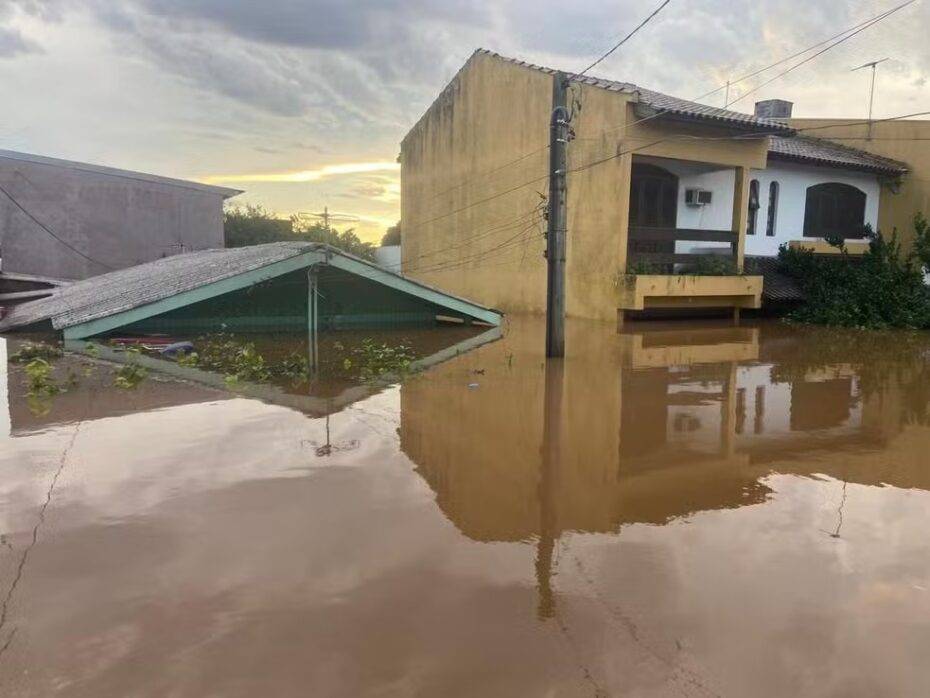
(880, 289)
(922, 241)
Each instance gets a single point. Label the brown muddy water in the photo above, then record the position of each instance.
(680, 510)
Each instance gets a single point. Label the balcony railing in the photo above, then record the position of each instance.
(655, 247)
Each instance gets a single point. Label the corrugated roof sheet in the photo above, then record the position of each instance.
(118, 291)
(666, 103)
(817, 150)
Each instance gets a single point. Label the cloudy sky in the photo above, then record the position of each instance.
(303, 102)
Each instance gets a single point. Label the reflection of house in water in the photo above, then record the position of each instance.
(652, 427)
(95, 397)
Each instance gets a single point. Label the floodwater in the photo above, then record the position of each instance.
(680, 510)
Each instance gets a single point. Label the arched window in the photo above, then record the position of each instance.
(653, 197)
(834, 209)
(753, 207)
(773, 210)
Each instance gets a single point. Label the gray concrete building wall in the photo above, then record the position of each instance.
(70, 220)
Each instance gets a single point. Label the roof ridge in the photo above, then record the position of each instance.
(661, 101)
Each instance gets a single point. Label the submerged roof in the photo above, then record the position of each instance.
(149, 289)
(663, 103)
(225, 192)
(825, 152)
(777, 287)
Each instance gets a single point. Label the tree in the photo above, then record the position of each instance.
(253, 225)
(392, 236)
(347, 240)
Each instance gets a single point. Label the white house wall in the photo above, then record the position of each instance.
(793, 182)
(717, 215)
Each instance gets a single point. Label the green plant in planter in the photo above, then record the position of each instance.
(712, 265)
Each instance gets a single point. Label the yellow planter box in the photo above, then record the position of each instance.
(821, 247)
(642, 291)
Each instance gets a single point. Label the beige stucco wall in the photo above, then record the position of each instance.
(900, 140)
(487, 134)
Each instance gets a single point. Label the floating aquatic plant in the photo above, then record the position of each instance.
(36, 350)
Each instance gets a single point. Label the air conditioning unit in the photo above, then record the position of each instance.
(698, 197)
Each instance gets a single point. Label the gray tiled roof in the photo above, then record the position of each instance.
(816, 150)
(666, 103)
(118, 291)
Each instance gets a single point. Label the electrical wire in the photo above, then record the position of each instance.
(788, 58)
(623, 40)
(846, 35)
(537, 211)
(868, 25)
(47, 230)
(572, 77)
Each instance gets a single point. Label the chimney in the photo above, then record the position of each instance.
(774, 110)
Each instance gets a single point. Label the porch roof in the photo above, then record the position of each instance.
(824, 152)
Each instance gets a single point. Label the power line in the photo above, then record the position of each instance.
(47, 230)
(861, 29)
(477, 203)
(862, 123)
(570, 78)
(623, 40)
(787, 58)
(846, 35)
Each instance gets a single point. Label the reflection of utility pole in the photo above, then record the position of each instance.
(551, 458)
(873, 65)
(328, 448)
(728, 410)
(313, 320)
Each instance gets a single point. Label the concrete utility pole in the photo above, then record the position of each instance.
(555, 234)
(873, 65)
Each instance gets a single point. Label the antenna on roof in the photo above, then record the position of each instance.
(873, 65)
(329, 218)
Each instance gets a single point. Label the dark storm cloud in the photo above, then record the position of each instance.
(350, 61)
(378, 63)
(317, 23)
